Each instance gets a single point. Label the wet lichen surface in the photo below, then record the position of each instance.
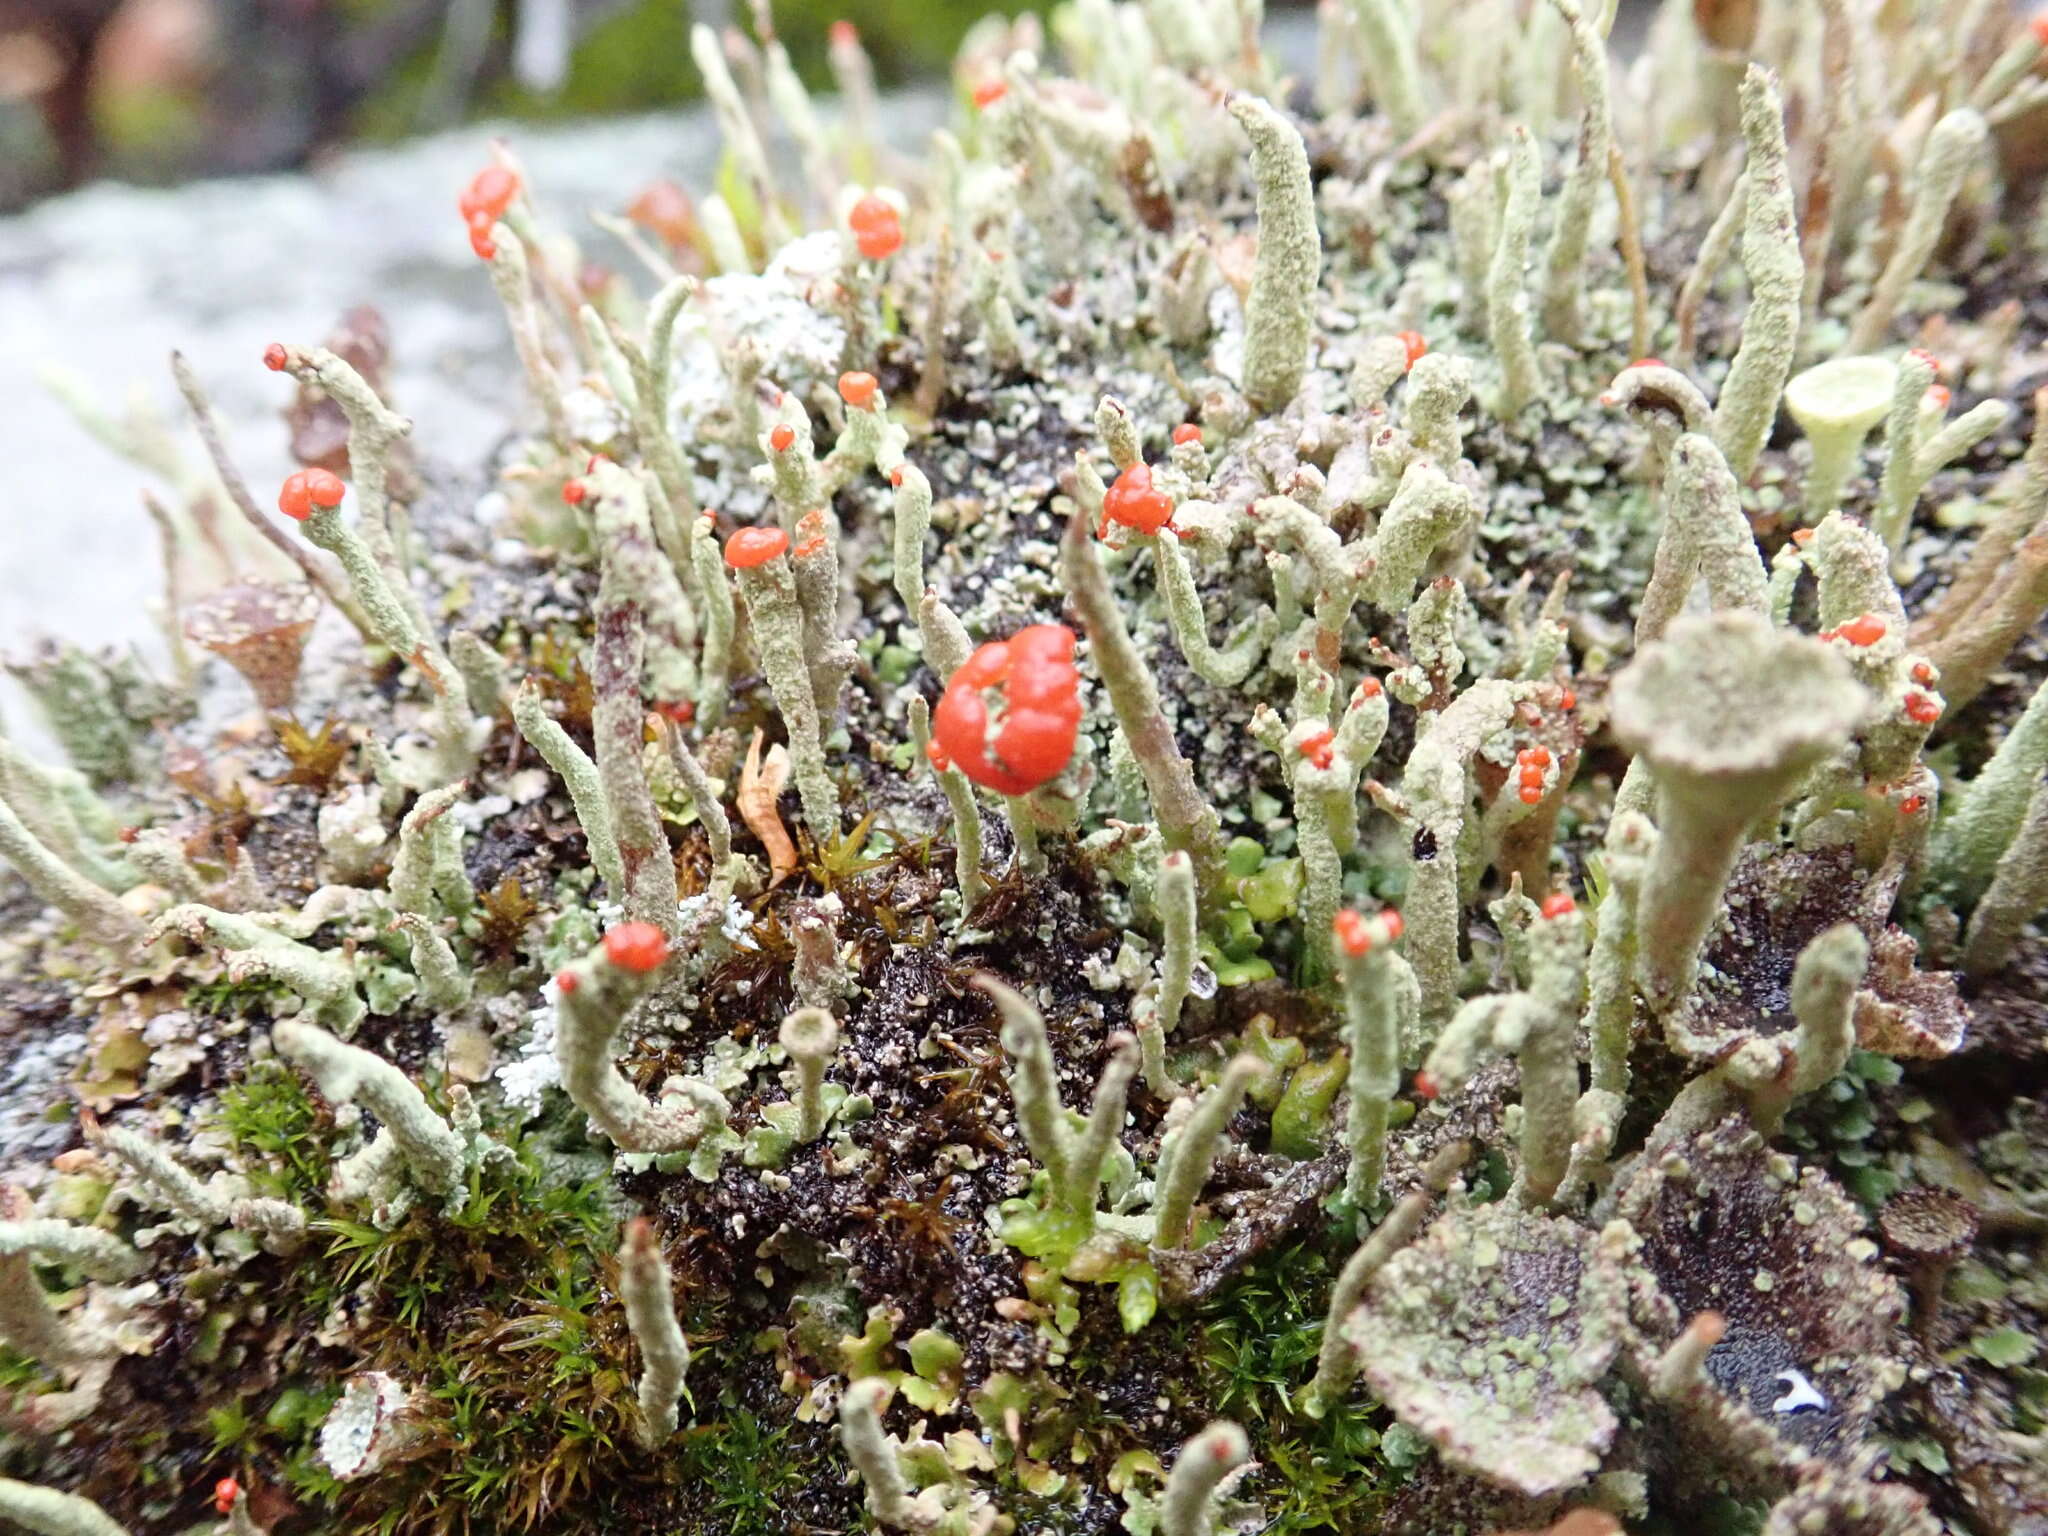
(1147, 838)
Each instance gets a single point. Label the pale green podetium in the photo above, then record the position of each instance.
(1279, 315)
(1836, 403)
(769, 590)
(1672, 704)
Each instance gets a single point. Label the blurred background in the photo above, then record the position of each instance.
(154, 91)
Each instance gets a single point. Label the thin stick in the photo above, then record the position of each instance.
(1631, 253)
(317, 571)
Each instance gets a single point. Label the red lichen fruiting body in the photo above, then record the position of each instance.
(293, 499)
(638, 947)
(754, 546)
(1027, 737)
(1316, 747)
(877, 227)
(324, 488)
(1132, 502)
(489, 194)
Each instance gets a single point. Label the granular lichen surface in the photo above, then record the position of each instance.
(1251, 804)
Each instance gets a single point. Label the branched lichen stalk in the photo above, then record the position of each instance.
(1075, 1160)
(1565, 282)
(1380, 998)
(1952, 149)
(1508, 320)
(322, 576)
(327, 981)
(593, 996)
(778, 626)
(1186, 819)
(429, 854)
(29, 1325)
(2018, 892)
(1279, 314)
(873, 1455)
(99, 916)
(648, 1293)
(959, 795)
(1438, 788)
(1034, 1086)
(616, 727)
(1386, 33)
(1194, 1148)
(48, 1512)
(432, 1151)
(579, 775)
(280, 1224)
(1770, 255)
(444, 981)
(1336, 1360)
(1187, 1507)
(1705, 534)
(1225, 666)
(99, 1254)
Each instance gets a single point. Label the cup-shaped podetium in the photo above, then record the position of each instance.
(811, 1037)
(1730, 712)
(259, 628)
(1010, 716)
(1836, 403)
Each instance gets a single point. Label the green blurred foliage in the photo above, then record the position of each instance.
(638, 59)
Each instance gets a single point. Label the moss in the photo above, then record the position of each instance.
(1253, 1345)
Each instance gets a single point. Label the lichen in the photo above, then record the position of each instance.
(1459, 1049)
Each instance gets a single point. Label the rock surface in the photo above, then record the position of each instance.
(103, 284)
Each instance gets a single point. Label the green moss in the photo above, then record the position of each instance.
(1255, 1344)
(279, 1128)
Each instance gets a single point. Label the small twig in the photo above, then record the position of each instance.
(330, 584)
(1631, 253)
